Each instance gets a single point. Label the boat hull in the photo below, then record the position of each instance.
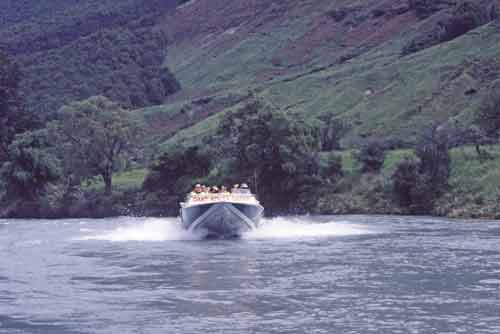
(221, 220)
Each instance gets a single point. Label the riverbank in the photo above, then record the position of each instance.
(474, 192)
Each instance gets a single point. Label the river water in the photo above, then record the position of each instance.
(355, 274)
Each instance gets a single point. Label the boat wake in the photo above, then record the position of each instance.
(304, 227)
(169, 229)
(144, 229)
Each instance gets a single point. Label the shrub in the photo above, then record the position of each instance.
(338, 14)
(372, 156)
(433, 152)
(174, 171)
(331, 130)
(404, 180)
(466, 15)
(416, 184)
(30, 168)
(488, 117)
(14, 118)
(425, 8)
(330, 168)
(410, 188)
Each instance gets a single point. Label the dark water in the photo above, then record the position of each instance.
(303, 275)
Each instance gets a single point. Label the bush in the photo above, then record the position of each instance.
(433, 152)
(372, 156)
(30, 168)
(417, 184)
(171, 177)
(488, 117)
(330, 168)
(331, 130)
(14, 118)
(466, 15)
(425, 8)
(410, 188)
(175, 170)
(404, 180)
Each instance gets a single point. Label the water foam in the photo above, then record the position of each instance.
(304, 227)
(169, 229)
(150, 229)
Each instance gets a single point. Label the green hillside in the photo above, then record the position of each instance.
(380, 92)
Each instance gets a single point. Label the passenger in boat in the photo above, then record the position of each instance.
(244, 189)
(214, 190)
(196, 190)
(223, 190)
(235, 189)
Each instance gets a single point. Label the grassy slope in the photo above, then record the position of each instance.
(408, 92)
(127, 180)
(470, 177)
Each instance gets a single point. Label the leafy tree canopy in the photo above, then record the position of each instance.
(276, 153)
(488, 118)
(31, 166)
(99, 135)
(372, 155)
(172, 176)
(416, 184)
(13, 118)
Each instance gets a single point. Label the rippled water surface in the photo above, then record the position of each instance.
(293, 275)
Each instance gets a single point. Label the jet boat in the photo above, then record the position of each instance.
(221, 215)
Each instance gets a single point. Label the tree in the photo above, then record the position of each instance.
(100, 134)
(425, 8)
(468, 15)
(435, 162)
(411, 189)
(172, 175)
(276, 153)
(372, 156)
(416, 184)
(172, 168)
(31, 166)
(488, 117)
(471, 135)
(331, 131)
(14, 118)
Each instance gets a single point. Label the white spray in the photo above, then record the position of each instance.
(169, 229)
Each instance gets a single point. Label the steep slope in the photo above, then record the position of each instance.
(385, 67)
(255, 41)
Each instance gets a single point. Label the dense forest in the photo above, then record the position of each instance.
(71, 50)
